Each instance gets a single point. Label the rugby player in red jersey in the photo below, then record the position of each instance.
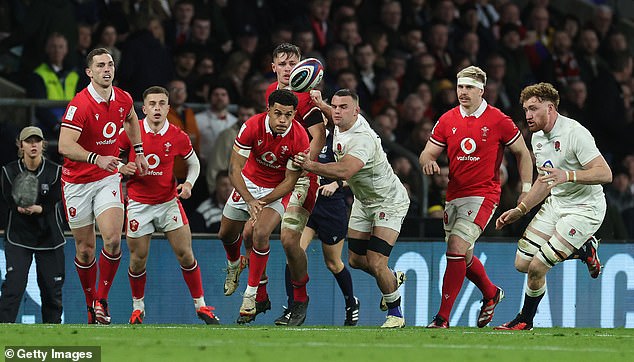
(91, 183)
(475, 135)
(262, 174)
(153, 203)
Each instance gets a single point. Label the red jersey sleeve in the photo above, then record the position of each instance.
(302, 143)
(245, 137)
(75, 116)
(184, 145)
(123, 141)
(509, 132)
(438, 133)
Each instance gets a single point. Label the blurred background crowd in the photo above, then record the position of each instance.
(214, 57)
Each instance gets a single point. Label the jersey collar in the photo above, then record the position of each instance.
(267, 126)
(96, 96)
(478, 112)
(162, 131)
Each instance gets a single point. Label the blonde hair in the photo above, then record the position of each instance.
(541, 91)
(473, 72)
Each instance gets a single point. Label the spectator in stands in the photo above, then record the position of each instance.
(562, 66)
(234, 74)
(136, 72)
(221, 150)
(247, 40)
(437, 193)
(184, 64)
(412, 113)
(106, 37)
(182, 117)
(590, 62)
(365, 64)
(574, 104)
(438, 45)
(387, 94)
(348, 33)
(206, 218)
(255, 93)
(214, 120)
(84, 45)
(53, 80)
(178, 28)
(538, 37)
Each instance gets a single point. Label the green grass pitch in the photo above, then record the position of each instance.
(257, 343)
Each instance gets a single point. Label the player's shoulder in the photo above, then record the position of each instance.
(121, 95)
(451, 115)
(494, 114)
(270, 89)
(256, 120)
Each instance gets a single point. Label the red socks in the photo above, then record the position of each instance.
(87, 277)
(478, 276)
(233, 249)
(194, 282)
(108, 265)
(137, 284)
(257, 264)
(452, 283)
(299, 289)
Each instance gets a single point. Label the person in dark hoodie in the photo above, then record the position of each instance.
(33, 230)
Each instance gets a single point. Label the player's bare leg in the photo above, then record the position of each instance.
(181, 242)
(110, 223)
(230, 234)
(293, 223)
(262, 301)
(332, 258)
(267, 222)
(139, 249)
(86, 265)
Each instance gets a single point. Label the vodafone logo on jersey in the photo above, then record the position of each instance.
(108, 131)
(153, 162)
(468, 146)
(268, 159)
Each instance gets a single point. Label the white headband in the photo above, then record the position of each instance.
(470, 81)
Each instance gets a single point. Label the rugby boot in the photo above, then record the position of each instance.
(102, 314)
(517, 324)
(438, 322)
(137, 317)
(233, 275)
(207, 315)
(488, 307)
(352, 314)
(400, 279)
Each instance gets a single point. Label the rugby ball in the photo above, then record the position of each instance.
(306, 75)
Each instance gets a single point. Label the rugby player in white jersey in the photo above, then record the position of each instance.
(571, 172)
(380, 199)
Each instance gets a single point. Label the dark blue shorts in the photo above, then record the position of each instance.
(329, 219)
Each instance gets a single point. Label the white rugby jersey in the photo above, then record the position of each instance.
(568, 146)
(376, 181)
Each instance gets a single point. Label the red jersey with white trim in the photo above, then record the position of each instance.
(308, 114)
(475, 146)
(99, 122)
(158, 185)
(269, 153)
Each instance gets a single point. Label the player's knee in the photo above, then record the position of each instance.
(295, 220)
(335, 266)
(85, 252)
(379, 246)
(356, 261)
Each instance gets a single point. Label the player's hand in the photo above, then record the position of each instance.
(430, 168)
(141, 164)
(184, 190)
(255, 207)
(508, 217)
(315, 96)
(30, 210)
(328, 190)
(552, 176)
(108, 163)
(302, 160)
(128, 169)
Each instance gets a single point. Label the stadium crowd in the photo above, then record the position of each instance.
(401, 57)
